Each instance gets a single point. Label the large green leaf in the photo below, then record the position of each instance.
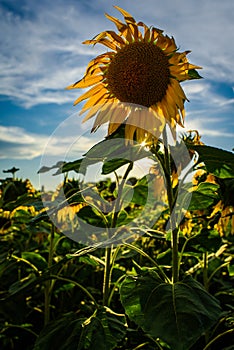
(217, 161)
(176, 313)
(114, 153)
(116, 148)
(204, 196)
(102, 331)
(79, 166)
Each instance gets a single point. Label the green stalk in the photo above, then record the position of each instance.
(205, 271)
(48, 291)
(108, 250)
(229, 331)
(107, 275)
(170, 196)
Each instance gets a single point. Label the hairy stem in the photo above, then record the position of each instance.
(48, 291)
(170, 196)
(107, 275)
(229, 331)
(108, 250)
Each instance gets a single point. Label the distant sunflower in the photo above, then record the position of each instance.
(138, 82)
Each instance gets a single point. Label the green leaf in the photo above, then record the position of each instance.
(141, 190)
(140, 194)
(91, 216)
(204, 196)
(45, 169)
(113, 152)
(116, 149)
(79, 166)
(113, 164)
(102, 331)
(217, 161)
(176, 313)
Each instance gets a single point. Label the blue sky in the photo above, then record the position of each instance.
(42, 53)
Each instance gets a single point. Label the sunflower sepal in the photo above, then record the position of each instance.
(193, 74)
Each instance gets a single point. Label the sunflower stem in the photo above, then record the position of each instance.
(170, 197)
(107, 276)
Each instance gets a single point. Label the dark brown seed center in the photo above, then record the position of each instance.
(139, 73)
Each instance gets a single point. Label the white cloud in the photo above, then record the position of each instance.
(41, 50)
(65, 143)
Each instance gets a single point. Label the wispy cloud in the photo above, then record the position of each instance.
(41, 50)
(64, 143)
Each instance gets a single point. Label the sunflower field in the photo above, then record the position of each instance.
(78, 288)
(127, 261)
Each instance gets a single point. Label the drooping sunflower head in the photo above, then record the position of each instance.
(137, 83)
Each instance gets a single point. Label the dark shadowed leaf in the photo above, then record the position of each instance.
(204, 196)
(79, 166)
(36, 259)
(45, 169)
(217, 161)
(101, 331)
(176, 313)
(113, 164)
(207, 240)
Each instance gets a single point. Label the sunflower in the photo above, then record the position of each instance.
(137, 83)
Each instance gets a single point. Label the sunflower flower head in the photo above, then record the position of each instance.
(137, 82)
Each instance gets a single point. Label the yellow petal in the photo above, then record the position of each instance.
(129, 132)
(155, 33)
(103, 116)
(127, 16)
(117, 118)
(89, 93)
(135, 32)
(86, 82)
(127, 34)
(91, 113)
(147, 36)
(102, 41)
(95, 99)
(172, 90)
(112, 35)
(147, 32)
(116, 21)
(112, 45)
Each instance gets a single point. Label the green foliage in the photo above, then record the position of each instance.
(58, 293)
(176, 313)
(217, 161)
(103, 330)
(204, 196)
